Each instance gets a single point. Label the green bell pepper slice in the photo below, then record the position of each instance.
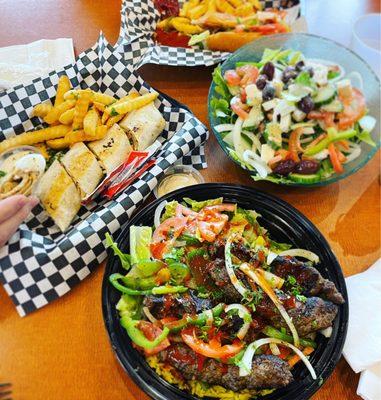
(272, 332)
(137, 336)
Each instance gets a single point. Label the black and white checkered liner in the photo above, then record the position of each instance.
(136, 39)
(40, 264)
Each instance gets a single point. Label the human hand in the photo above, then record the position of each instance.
(13, 211)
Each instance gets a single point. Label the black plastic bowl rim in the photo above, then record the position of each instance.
(284, 223)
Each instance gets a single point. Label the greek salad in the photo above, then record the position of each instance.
(291, 119)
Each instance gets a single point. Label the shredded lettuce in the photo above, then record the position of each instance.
(333, 74)
(125, 259)
(199, 205)
(140, 239)
(304, 79)
(277, 247)
(129, 305)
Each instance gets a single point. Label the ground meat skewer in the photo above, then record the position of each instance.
(176, 305)
(313, 315)
(309, 278)
(238, 249)
(267, 371)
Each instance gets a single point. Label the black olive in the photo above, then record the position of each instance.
(289, 73)
(269, 70)
(284, 167)
(299, 66)
(306, 104)
(306, 167)
(261, 81)
(268, 92)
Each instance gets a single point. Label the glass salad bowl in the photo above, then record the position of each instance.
(314, 48)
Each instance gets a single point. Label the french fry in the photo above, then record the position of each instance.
(105, 117)
(41, 110)
(66, 117)
(165, 24)
(58, 144)
(183, 25)
(113, 120)
(245, 10)
(100, 132)
(256, 4)
(235, 3)
(130, 96)
(133, 104)
(33, 137)
(99, 106)
(212, 6)
(224, 7)
(103, 98)
(54, 114)
(90, 122)
(72, 94)
(198, 11)
(63, 86)
(81, 108)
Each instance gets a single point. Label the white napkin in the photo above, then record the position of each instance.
(23, 63)
(362, 348)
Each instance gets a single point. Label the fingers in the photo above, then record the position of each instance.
(11, 206)
(9, 225)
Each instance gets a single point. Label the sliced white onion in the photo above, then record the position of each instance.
(260, 281)
(209, 317)
(355, 152)
(246, 362)
(230, 270)
(150, 317)
(158, 211)
(256, 162)
(306, 140)
(237, 138)
(255, 139)
(327, 332)
(367, 123)
(243, 313)
(224, 128)
(274, 349)
(321, 155)
(273, 280)
(309, 255)
(271, 257)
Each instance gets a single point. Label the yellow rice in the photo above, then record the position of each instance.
(200, 389)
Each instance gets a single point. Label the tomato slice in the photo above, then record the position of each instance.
(214, 350)
(354, 109)
(151, 332)
(220, 208)
(166, 234)
(211, 222)
(239, 111)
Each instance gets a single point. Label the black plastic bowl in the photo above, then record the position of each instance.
(285, 224)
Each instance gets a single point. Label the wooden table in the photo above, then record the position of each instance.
(62, 351)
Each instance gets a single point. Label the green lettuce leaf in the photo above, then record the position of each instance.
(170, 210)
(125, 259)
(366, 137)
(199, 205)
(221, 86)
(140, 240)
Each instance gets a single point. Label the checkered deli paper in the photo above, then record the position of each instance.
(40, 264)
(138, 24)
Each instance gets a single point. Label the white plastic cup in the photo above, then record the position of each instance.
(366, 40)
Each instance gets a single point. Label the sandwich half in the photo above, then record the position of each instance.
(83, 167)
(143, 126)
(113, 149)
(59, 195)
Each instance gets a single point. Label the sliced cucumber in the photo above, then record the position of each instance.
(300, 178)
(273, 135)
(254, 119)
(334, 106)
(325, 95)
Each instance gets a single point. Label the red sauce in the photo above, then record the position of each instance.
(200, 361)
(289, 302)
(172, 38)
(197, 265)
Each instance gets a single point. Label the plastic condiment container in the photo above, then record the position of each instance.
(20, 170)
(366, 40)
(177, 177)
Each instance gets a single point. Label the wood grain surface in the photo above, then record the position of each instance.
(62, 351)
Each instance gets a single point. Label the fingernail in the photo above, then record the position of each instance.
(22, 201)
(33, 201)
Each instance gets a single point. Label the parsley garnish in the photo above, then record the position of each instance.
(113, 112)
(2, 173)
